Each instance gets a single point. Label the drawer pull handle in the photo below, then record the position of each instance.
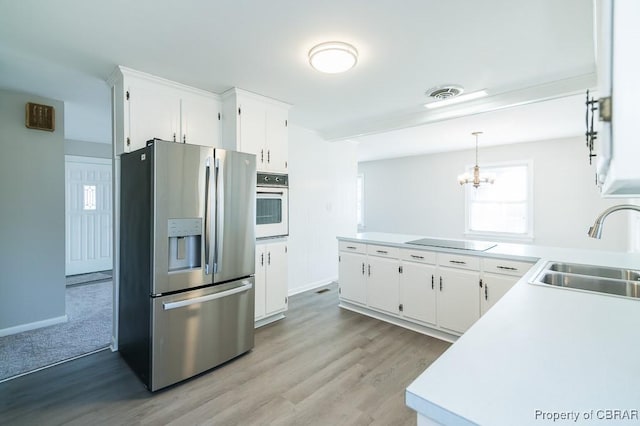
(349, 247)
(382, 251)
(458, 262)
(417, 257)
(507, 268)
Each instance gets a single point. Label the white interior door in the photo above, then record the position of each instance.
(87, 215)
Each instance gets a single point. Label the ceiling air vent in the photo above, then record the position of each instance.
(445, 92)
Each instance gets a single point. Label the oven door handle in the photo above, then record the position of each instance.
(186, 302)
(270, 193)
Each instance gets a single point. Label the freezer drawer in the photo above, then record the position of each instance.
(197, 330)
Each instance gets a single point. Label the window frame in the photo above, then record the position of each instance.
(528, 236)
(360, 219)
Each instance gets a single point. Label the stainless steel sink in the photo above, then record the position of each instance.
(591, 278)
(596, 271)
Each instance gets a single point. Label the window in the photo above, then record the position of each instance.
(360, 201)
(503, 209)
(89, 197)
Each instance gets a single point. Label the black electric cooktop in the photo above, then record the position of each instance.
(463, 245)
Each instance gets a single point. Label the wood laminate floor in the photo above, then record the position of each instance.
(321, 365)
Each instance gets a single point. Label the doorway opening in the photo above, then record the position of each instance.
(89, 282)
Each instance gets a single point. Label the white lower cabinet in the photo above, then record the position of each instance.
(457, 305)
(441, 291)
(498, 276)
(418, 292)
(383, 281)
(352, 272)
(492, 288)
(271, 279)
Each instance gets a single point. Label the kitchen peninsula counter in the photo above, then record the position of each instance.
(541, 353)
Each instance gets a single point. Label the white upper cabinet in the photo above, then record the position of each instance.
(151, 114)
(618, 65)
(147, 107)
(201, 117)
(257, 125)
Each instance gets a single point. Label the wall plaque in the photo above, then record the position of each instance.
(41, 117)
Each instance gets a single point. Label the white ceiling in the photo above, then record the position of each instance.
(65, 49)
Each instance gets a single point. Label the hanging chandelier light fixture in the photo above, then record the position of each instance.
(476, 179)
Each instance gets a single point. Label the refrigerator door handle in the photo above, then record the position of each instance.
(186, 302)
(207, 218)
(219, 240)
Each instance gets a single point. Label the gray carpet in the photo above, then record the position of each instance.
(89, 328)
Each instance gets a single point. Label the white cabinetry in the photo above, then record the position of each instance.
(438, 293)
(383, 278)
(458, 283)
(417, 286)
(271, 279)
(498, 276)
(618, 66)
(352, 272)
(147, 107)
(257, 125)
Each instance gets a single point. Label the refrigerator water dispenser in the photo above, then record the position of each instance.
(185, 242)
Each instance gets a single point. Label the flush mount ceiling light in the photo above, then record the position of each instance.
(476, 179)
(333, 57)
(454, 99)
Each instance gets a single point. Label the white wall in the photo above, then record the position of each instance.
(87, 149)
(420, 195)
(322, 205)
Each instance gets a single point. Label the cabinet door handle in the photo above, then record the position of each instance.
(269, 258)
(269, 156)
(369, 269)
(440, 283)
(432, 284)
(349, 247)
(262, 259)
(507, 268)
(417, 257)
(362, 268)
(184, 138)
(486, 292)
(382, 251)
(458, 262)
(174, 137)
(262, 155)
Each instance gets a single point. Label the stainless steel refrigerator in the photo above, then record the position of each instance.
(187, 259)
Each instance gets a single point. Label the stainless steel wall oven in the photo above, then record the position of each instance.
(272, 205)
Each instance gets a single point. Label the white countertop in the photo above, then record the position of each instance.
(540, 351)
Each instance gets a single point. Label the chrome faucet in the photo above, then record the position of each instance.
(596, 230)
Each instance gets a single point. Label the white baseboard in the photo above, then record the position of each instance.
(429, 331)
(311, 286)
(33, 325)
(269, 320)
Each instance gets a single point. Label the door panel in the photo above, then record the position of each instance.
(458, 299)
(383, 284)
(277, 279)
(178, 188)
(417, 284)
(234, 246)
(87, 215)
(352, 277)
